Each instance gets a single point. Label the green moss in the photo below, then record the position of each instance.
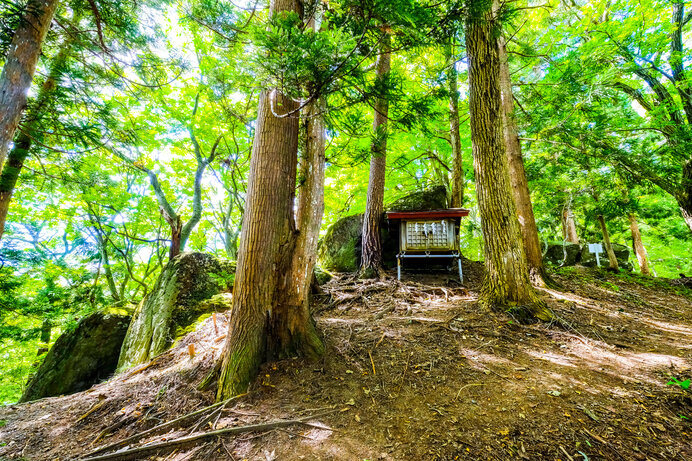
(175, 304)
(322, 275)
(338, 249)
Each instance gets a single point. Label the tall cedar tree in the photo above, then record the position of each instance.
(569, 226)
(517, 174)
(457, 193)
(371, 264)
(262, 324)
(507, 282)
(20, 65)
(310, 209)
(30, 129)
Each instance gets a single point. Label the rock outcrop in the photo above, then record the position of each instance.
(571, 254)
(558, 254)
(81, 357)
(341, 248)
(175, 303)
(622, 253)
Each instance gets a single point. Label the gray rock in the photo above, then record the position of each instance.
(434, 198)
(340, 249)
(558, 254)
(175, 303)
(81, 357)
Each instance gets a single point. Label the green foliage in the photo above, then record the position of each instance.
(684, 385)
(155, 86)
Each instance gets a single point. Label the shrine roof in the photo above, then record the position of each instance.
(429, 214)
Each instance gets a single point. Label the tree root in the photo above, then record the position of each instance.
(140, 451)
(139, 435)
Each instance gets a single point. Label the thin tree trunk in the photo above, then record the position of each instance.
(639, 250)
(684, 197)
(612, 260)
(46, 329)
(176, 238)
(20, 65)
(371, 264)
(454, 137)
(261, 327)
(102, 242)
(507, 283)
(517, 175)
(22, 143)
(569, 227)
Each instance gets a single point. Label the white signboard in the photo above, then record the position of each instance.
(596, 248)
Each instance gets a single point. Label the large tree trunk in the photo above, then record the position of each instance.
(454, 137)
(638, 245)
(517, 175)
(260, 326)
(22, 144)
(612, 259)
(507, 283)
(20, 65)
(569, 227)
(296, 292)
(371, 264)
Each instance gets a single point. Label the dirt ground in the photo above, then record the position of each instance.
(416, 371)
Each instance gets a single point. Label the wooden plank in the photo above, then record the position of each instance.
(446, 213)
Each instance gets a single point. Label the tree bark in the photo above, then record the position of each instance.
(639, 250)
(371, 264)
(310, 207)
(569, 227)
(261, 327)
(22, 143)
(612, 260)
(454, 137)
(176, 238)
(20, 65)
(517, 174)
(507, 283)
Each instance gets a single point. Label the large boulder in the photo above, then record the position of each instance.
(81, 357)
(175, 303)
(559, 254)
(340, 249)
(434, 198)
(622, 253)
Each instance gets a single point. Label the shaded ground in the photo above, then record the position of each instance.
(415, 372)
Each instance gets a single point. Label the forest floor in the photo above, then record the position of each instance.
(415, 371)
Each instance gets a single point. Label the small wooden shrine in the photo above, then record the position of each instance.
(428, 234)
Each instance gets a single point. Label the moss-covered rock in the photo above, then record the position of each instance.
(340, 249)
(175, 303)
(322, 276)
(558, 254)
(434, 198)
(81, 357)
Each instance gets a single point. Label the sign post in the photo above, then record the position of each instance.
(596, 248)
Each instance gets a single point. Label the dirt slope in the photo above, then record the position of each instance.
(415, 371)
